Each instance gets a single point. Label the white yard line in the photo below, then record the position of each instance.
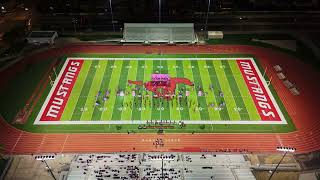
(96, 75)
(74, 108)
(37, 121)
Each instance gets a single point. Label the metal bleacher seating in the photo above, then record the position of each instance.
(176, 166)
(159, 33)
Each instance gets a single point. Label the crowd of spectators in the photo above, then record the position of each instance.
(152, 166)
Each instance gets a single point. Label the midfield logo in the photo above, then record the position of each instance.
(162, 85)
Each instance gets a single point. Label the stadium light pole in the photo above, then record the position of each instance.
(162, 166)
(74, 21)
(209, 3)
(51, 173)
(285, 150)
(159, 9)
(110, 4)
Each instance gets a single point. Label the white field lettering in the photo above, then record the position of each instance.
(62, 91)
(258, 92)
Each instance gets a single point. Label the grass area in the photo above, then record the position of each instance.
(248, 37)
(92, 37)
(315, 38)
(9, 111)
(303, 52)
(16, 93)
(12, 51)
(4, 63)
(97, 37)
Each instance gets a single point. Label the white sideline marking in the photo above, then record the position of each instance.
(283, 120)
(144, 122)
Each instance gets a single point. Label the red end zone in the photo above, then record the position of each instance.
(61, 91)
(262, 97)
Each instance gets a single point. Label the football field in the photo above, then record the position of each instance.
(100, 91)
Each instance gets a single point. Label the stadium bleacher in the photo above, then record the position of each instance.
(153, 32)
(149, 166)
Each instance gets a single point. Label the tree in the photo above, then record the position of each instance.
(13, 35)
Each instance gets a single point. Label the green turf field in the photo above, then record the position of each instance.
(28, 81)
(13, 99)
(103, 75)
(225, 100)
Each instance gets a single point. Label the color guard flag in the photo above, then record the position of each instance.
(187, 93)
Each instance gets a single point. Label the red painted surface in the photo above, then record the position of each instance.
(303, 110)
(167, 88)
(258, 92)
(59, 98)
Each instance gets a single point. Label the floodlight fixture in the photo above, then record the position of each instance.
(286, 149)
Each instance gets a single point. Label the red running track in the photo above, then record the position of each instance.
(302, 109)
